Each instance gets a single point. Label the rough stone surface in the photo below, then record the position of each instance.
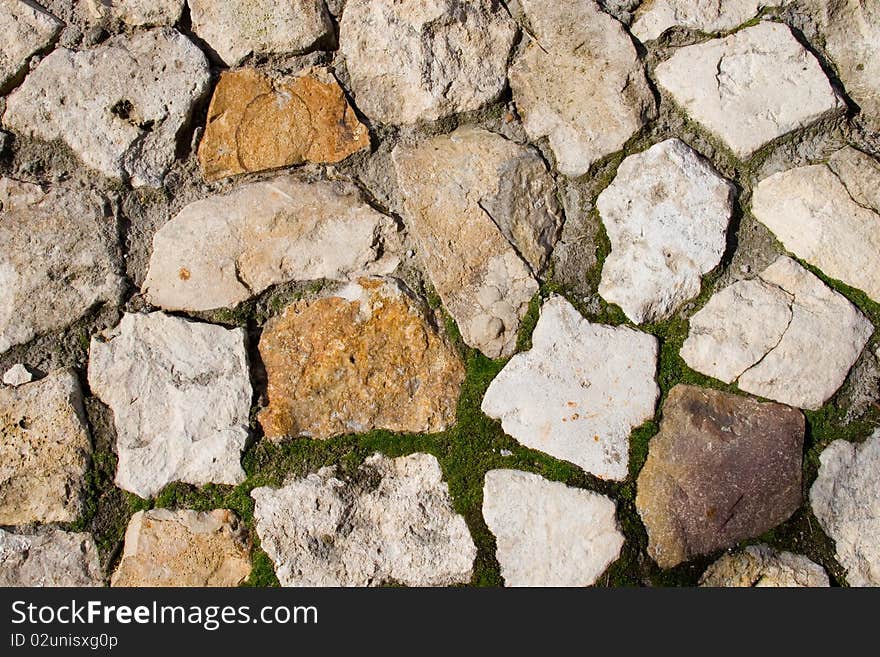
(222, 250)
(180, 395)
(238, 28)
(750, 87)
(17, 375)
(845, 500)
(579, 392)
(420, 61)
(183, 548)
(654, 17)
(723, 468)
(257, 123)
(44, 450)
(119, 106)
(362, 358)
(398, 521)
(760, 565)
(48, 557)
(771, 335)
(27, 29)
(57, 261)
(579, 82)
(829, 215)
(547, 533)
(478, 204)
(666, 215)
(137, 13)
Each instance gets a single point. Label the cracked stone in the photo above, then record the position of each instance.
(762, 566)
(48, 557)
(27, 29)
(770, 336)
(580, 390)
(137, 13)
(654, 17)
(723, 468)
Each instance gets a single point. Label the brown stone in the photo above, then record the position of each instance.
(364, 358)
(183, 548)
(257, 123)
(723, 468)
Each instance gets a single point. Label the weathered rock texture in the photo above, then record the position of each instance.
(49, 557)
(844, 499)
(654, 17)
(392, 523)
(723, 468)
(760, 565)
(666, 216)
(750, 87)
(829, 215)
(27, 29)
(183, 548)
(257, 123)
(58, 259)
(547, 533)
(137, 13)
(771, 335)
(118, 106)
(579, 392)
(44, 450)
(360, 359)
(579, 82)
(222, 250)
(17, 375)
(422, 60)
(180, 395)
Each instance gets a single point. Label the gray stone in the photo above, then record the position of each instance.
(654, 17)
(17, 375)
(762, 566)
(48, 557)
(27, 29)
(138, 13)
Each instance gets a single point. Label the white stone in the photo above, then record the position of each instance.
(118, 106)
(654, 17)
(27, 29)
(138, 13)
(579, 392)
(547, 533)
(237, 28)
(393, 523)
(422, 60)
(762, 566)
(579, 82)
(750, 87)
(224, 249)
(57, 259)
(180, 395)
(828, 215)
(845, 500)
(771, 336)
(17, 375)
(666, 215)
(48, 557)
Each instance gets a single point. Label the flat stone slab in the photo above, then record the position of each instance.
(654, 17)
(547, 533)
(580, 390)
(770, 335)
(180, 393)
(365, 357)
(137, 13)
(49, 557)
(750, 87)
(392, 522)
(666, 214)
(27, 29)
(762, 566)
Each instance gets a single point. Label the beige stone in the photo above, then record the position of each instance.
(26, 29)
(762, 566)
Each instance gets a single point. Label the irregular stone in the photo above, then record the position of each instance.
(845, 501)
(666, 215)
(118, 106)
(49, 557)
(478, 205)
(654, 17)
(422, 61)
(547, 533)
(392, 522)
(137, 13)
(17, 375)
(183, 548)
(750, 87)
(180, 395)
(256, 123)
(238, 28)
(760, 565)
(27, 29)
(579, 82)
(828, 215)
(58, 259)
(44, 451)
(362, 358)
(770, 335)
(723, 468)
(222, 250)
(579, 392)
